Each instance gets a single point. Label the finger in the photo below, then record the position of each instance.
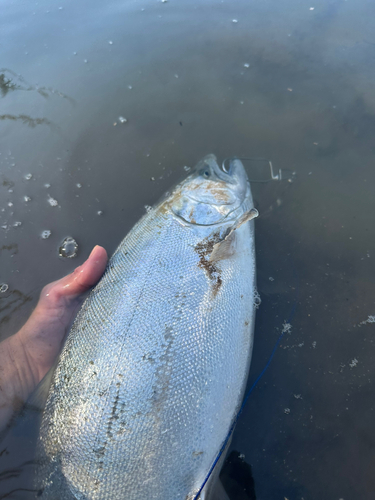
(81, 280)
(89, 273)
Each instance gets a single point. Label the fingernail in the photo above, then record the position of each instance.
(93, 250)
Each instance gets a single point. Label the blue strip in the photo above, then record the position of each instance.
(246, 398)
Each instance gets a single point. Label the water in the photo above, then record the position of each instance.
(284, 82)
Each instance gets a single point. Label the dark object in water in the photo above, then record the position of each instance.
(237, 478)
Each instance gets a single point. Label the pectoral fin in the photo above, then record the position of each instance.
(227, 247)
(251, 214)
(224, 249)
(38, 398)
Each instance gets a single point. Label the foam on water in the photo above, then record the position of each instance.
(52, 201)
(257, 299)
(45, 234)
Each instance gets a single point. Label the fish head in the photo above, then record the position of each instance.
(210, 195)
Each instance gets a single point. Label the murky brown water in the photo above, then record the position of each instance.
(290, 81)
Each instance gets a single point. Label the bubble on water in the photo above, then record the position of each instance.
(186, 168)
(257, 299)
(287, 411)
(47, 185)
(110, 42)
(287, 327)
(99, 212)
(370, 319)
(234, 20)
(16, 224)
(28, 176)
(271, 279)
(152, 178)
(121, 119)
(26, 198)
(45, 234)
(52, 201)
(353, 363)
(130, 87)
(4, 226)
(78, 185)
(148, 208)
(10, 190)
(85, 61)
(246, 65)
(3, 287)
(68, 248)
(10, 204)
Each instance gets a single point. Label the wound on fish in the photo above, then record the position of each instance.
(204, 250)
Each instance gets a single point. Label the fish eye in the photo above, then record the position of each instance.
(205, 173)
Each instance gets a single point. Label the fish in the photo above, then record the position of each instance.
(154, 367)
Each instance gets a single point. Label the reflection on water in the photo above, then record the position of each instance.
(237, 477)
(17, 82)
(10, 81)
(31, 122)
(6, 85)
(13, 248)
(8, 308)
(284, 82)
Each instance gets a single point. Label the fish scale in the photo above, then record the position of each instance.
(154, 367)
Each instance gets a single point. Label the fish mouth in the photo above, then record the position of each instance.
(235, 174)
(236, 170)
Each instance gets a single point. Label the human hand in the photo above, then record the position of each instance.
(26, 356)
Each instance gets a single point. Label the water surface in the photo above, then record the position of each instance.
(286, 80)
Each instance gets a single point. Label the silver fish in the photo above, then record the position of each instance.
(153, 370)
